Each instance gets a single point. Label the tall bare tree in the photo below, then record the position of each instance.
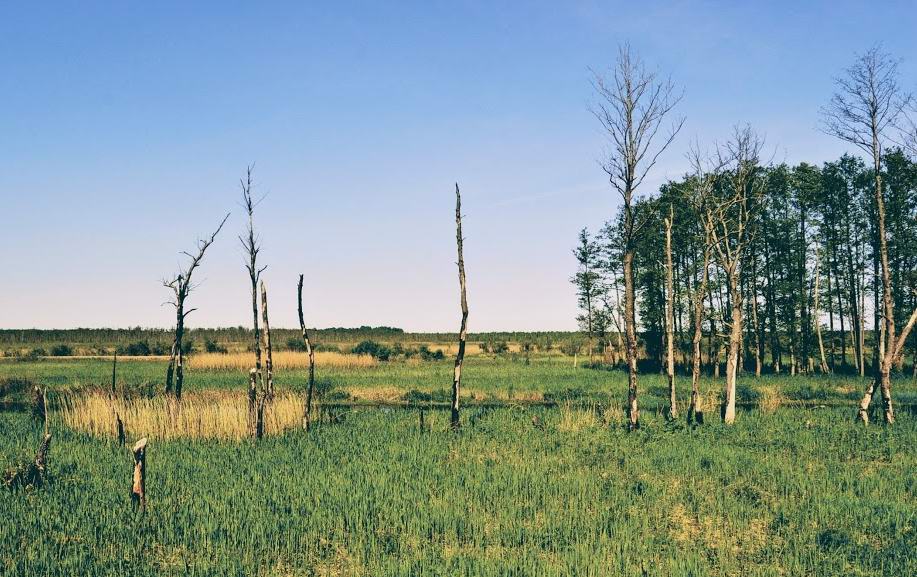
(632, 106)
(670, 314)
(867, 105)
(251, 245)
(728, 215)
(463, 330)
(181, 287)
(307, 411)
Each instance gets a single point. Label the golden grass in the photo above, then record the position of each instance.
(771, 399)
(282, 360)
(576, 420)
(205, 414)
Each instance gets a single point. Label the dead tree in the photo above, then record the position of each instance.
(670, 315)
(253, 402)
(251, 246)
(30, 474)
(268, 383)
(463, 330)
(307, 410)
(138, 485)
(114, 373)
(728, 215)
(705, 178)
(631, 108)
(181, 287)
(41, 406)
(867, 105)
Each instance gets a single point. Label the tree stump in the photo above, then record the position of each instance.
(138, 489)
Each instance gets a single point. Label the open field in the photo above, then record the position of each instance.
(795, 487)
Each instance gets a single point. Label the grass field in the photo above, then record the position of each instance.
(788, 490)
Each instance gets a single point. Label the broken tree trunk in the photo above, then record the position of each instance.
(268, 362)
(307, 411)
(41, 406)
(30, 474)
(670, 316)
(138, 487)
(463, 331)
(252, 401)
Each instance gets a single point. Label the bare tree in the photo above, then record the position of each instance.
(706, 174)
(727, 215)
(670, 314)
(181, 287)
(463, 330)
(632, 107)
(268, 382)
(251, 246)
(307, 412)
(867, 105)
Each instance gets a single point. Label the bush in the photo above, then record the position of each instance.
(61, 350)
(137, 349)
(428, 355)
(296, 344)
(372, 348)
(187, 347)
(211, 346)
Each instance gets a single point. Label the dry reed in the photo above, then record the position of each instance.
(282, 360)
(205, 414)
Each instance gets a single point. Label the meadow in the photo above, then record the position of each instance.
(543, 478)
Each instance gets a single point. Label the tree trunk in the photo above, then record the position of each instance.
(633, 413)
(268, 363)
(253, 402)
(138, 488)
(670, 316)
(307, 413)
(694, 414)
(815, 313)
(735, 342)
(463, 330)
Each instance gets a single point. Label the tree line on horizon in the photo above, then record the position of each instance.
(764, 267)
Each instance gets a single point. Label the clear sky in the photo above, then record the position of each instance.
(125, 126)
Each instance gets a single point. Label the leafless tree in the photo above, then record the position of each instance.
(632, 107)
(670, 314)
(706, 174)
(251, 246)
(463, 330)
(867, 106)
(728, 213)
(181, 287)
(268, 381)
(307, 412)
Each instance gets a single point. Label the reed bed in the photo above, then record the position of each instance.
(200, 415)
(282, 360)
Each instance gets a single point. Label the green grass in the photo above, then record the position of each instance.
(800, 491)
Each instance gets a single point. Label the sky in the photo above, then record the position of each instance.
(125, 127)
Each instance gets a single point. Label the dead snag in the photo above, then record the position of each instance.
(463, 331)
(114, 374)
(30, 474)
(251, 246)
(307, 411)
(138, 489)
(268, 363)
(670, 316)
(252, 402)
(181, 287)
(41, 406)
(120, 425)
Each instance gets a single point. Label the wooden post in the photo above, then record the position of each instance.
(463, 331)
(138, 488)
(307, 412)
(114, 373)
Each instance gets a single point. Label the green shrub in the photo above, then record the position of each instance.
(61, 350)
(372, 348)
(211, 346)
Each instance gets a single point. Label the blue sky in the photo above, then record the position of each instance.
(124, 128)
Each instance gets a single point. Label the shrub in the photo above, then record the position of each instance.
(372, 348)
(211, 346)
(187, 347)
(296, 344)
(61, 350)
(428, 355)
(137, 349)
